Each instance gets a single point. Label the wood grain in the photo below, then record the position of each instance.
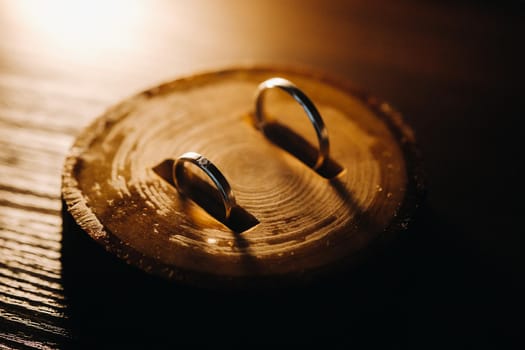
(306, 222)
(448, 66)
(32, 299)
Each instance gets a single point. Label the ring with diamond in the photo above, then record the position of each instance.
(225, 191)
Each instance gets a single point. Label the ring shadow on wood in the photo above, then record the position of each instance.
(208, 198)
(295, 144)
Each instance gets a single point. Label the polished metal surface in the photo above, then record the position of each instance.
(225, 191)
(311, 111)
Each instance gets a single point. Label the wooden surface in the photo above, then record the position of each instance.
(306, 222)
(452, 68)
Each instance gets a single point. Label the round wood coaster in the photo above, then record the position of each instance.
(292, 221)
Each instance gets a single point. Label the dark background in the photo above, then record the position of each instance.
(453, 68)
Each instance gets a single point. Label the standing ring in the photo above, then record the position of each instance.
(225, 191)
(308, 106)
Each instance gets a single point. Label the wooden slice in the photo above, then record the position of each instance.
(306, 221)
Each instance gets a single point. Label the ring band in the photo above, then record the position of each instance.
(225, 191)
(308, 106)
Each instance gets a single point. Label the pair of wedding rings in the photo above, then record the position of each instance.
(224, 188)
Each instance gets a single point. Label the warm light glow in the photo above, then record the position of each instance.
(129, 44)
(80, 28)
(212, 240)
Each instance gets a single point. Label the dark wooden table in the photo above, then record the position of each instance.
(453, 68)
